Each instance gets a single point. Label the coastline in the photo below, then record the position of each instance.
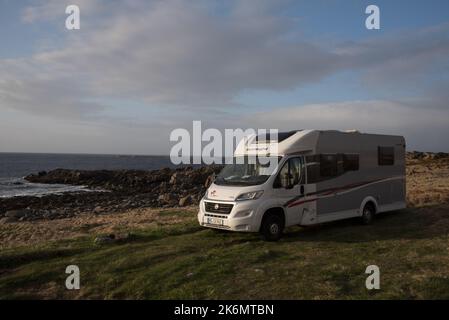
(110, 191)
(154, 243)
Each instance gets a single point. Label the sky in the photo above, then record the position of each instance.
(136, 70)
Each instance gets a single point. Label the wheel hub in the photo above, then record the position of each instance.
(274, 228)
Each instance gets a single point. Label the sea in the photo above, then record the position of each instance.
(15, 166)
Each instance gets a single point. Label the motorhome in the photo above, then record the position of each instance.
(319, 176)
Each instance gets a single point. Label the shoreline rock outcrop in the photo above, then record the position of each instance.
(117, 190)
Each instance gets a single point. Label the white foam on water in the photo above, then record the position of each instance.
(15, 187)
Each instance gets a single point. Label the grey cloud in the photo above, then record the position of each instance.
(48, 10)
(185, 56)
(423, 127)
(402, 59)
(178, 53)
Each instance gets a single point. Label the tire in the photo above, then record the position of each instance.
(271, 228)
(368, 214)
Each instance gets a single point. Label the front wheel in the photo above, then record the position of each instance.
(368, 214)
(271, 228)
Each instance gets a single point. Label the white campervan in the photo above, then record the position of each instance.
(319, 176)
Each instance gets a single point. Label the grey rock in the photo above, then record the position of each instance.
(17, 213)
(104, 239)
(7, 220)
(185, 201)
(173, 178)
(98, 209)
(166, 197)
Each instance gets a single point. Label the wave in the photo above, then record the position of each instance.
(15, 187)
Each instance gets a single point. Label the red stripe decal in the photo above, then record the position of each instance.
(328, 192)
(301, 202)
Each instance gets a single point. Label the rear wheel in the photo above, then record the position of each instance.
(271, 228)
(368, 213)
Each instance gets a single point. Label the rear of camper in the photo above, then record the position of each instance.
(320, 176)
(345, 171)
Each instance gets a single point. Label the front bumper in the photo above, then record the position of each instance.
(242, 217)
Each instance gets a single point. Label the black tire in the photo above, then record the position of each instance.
(271, 228)
(368, 214)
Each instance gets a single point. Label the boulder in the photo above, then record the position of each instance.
(173, 178)
(209, 180)
(185, 201)
(166, 197)
(104, 239)
(7, 220)
(98, 209)
(17, 214)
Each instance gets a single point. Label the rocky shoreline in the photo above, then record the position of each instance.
(123, 190)
(118, 190)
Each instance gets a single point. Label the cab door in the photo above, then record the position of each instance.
(289, 187)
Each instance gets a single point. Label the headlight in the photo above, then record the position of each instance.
(249, 195)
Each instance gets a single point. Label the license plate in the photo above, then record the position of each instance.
(216, 221)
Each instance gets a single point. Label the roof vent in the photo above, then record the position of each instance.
(266, 138)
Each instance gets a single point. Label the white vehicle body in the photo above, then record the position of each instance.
(339, 173)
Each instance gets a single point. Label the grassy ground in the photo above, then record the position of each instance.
(170, 256)
(179, 259)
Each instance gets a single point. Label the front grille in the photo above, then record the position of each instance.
(213, 215)
(215, 207)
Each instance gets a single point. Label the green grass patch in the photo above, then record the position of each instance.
(186, 261)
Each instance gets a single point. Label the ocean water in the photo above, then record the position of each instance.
(15, 166)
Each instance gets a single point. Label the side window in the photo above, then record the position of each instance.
(327, 166)
(282, 177)
(313, 168)
(350, 162)
(385, 156)
(290, 174)
(296, 170)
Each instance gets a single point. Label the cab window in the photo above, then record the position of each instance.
(290, 174)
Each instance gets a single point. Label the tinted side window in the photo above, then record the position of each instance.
(351, 162)
(328, 166)
(385, 156)
(313, 168)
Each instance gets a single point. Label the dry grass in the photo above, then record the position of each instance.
(37, 232)
(427, 182)
(171, 257)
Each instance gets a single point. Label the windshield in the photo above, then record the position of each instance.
(246, 171)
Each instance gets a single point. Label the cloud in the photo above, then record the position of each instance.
(169, 53)
(181, 53)
(195, 59)
(50, 10)
(423, 127)
(402, 59)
